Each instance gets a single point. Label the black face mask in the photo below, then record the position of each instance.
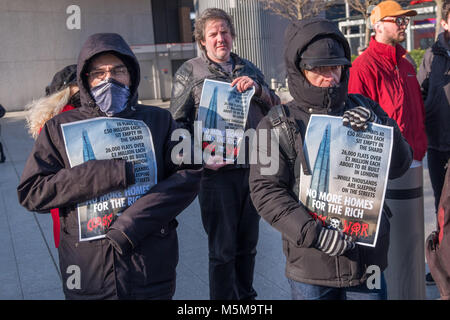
(75, 100)
(324, 99)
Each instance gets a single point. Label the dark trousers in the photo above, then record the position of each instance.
(232, 225)
(436, 167)
(2, 154)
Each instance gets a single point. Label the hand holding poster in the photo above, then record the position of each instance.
(110, 138)
(223, 112)
(349, 175)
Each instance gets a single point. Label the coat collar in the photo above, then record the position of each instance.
(441, 46)
(393, 54)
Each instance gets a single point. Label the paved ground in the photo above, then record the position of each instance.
(29, 260)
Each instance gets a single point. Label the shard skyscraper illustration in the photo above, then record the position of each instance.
(321, 172)
(88, 152)
(211, 115)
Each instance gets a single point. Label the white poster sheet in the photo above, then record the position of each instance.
(110, 138)
(223, 112)
(349, 175)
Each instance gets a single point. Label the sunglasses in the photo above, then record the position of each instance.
(399, 21)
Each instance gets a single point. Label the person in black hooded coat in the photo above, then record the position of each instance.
(315, 268)
(138, 257)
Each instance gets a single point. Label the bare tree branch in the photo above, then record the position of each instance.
(295, 9)
(363, 6)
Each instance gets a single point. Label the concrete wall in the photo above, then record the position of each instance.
(36, 41)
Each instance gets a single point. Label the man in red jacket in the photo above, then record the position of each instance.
(383, 74)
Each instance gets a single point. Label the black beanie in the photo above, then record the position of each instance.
(62, 79)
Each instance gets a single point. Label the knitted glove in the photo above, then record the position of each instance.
(334, 242)
(358, 117)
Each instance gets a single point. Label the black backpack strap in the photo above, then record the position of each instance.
(289, 136)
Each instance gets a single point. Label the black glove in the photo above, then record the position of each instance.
(334, 242)
(358, 117)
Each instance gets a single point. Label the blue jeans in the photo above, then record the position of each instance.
(303, 291)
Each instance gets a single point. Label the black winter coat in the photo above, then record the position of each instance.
(274, 196)
(434, 79)
(138, 257)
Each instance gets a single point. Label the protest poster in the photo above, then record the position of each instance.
(349, 175)
(223, 113)
(110, 138)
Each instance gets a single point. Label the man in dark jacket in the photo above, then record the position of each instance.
(228, 215)
(321, 263)
(434, 79)
(139, 253)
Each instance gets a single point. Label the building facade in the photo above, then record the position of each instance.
(41, 37)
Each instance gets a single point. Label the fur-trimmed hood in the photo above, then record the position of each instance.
(43, 109)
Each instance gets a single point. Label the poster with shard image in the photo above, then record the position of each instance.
(103, 139)
(223, 114)
(349, 172)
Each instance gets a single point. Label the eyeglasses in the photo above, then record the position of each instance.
(117, 72)
(400, 21)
